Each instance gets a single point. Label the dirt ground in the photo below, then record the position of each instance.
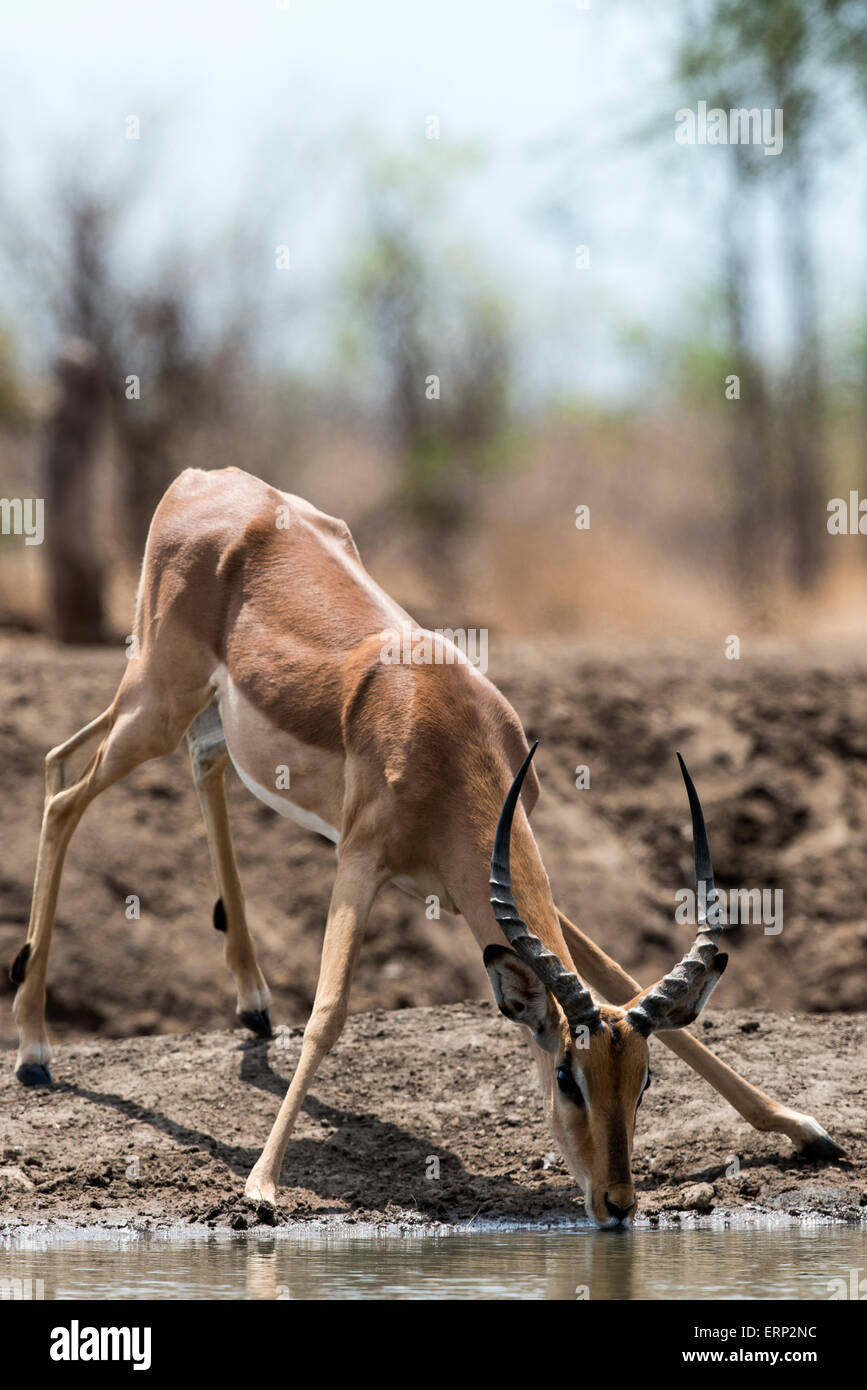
(776, 742)
(147, 1131)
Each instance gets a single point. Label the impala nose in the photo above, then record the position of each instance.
(619, 1213)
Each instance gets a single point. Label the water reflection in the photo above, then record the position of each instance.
(771, 1264)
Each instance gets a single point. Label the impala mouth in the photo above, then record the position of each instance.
(614, 1223)
(618, 1218)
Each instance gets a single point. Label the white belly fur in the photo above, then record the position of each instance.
(306, 819)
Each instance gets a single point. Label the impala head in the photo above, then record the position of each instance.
(594, 1058)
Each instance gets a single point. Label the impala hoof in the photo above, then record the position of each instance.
(259, 1022)
(34, 1074)
(822, 1147)
(263, 1192)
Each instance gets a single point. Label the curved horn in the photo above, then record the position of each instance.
(567, 989)
(679, 997)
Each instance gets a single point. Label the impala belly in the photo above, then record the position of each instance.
(302, 783)
(307, 819)
(266, 757)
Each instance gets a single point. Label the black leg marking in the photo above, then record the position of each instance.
(259, 1022)
(823, 1147)
(219, 915)
(34, 1074)
(18, 969)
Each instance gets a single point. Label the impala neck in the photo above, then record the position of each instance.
(531, 888)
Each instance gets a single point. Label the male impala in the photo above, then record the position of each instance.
(263, 642)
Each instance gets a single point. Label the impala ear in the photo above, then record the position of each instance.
(520, 994)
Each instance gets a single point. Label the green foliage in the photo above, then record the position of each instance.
(413, 310)
(689, 359)
(778, 53)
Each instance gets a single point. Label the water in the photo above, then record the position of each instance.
(796, 1262)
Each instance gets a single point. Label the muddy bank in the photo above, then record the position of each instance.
(419, 1116)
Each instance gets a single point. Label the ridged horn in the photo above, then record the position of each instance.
(680, 996)
(576, 1001)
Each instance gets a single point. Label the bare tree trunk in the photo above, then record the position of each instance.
(751, 462)
(147, 473)
(75, 570)
(807, 480)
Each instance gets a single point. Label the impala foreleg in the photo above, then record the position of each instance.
(612, 981)
(359, 878)
(209, 757)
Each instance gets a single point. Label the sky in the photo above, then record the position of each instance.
(256, 110)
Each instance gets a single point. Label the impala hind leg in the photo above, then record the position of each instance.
(136, 727)
(359, 878)
(209, 755)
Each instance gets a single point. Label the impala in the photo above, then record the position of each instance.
(260, 636)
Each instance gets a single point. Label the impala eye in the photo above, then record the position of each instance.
(568, 1085)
